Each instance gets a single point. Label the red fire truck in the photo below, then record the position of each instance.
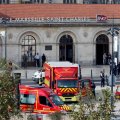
(62, 77)
(42, 100)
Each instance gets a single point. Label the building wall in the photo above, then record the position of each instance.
(61, 1)
(84, 40)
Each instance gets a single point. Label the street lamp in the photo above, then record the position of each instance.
(113, 32)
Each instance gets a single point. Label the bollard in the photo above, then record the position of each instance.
(91, 73)
(26, 74)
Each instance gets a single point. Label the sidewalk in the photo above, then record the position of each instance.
(86, 71)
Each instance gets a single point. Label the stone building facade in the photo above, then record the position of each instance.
(60, 1)
(82, 40)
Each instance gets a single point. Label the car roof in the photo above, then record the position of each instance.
(42, 90)
(62, 64)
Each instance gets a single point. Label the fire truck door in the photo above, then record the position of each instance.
(45, 104)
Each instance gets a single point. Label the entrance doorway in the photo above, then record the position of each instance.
(102, 46)
(66, 48)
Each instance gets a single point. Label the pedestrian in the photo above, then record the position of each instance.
(109, 58)
(37, 59)
(114, 68)
(118, 68)
(93, 88)
(24, 57)
(102, 76)
(43, 59)
(104, 58)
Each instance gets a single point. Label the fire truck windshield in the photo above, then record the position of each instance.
(56, 100)
(67, 83)
(27, 99)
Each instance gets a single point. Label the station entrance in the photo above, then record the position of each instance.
(102, 46)
(66, 48)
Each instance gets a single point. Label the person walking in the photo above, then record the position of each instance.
(102, 76)
(109, 58)
(43, 59)
(118, 68)
(104, 58)
(114, 69)
(37, 59)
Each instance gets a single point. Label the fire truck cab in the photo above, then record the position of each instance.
(62, 77)
(40, 100)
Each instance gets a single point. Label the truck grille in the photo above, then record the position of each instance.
(67, 94)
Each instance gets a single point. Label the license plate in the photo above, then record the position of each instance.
(68, 99)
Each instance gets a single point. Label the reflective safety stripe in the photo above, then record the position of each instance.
(43, 111)
(65, 107)
(68, 89)
(47, 82)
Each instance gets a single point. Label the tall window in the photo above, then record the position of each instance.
(50, 1)
(28, 48)
(4, 1)
(38, 1)
(69, 1)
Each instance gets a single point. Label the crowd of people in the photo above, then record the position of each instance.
(39, 60)
(107, 60)
(114, 68)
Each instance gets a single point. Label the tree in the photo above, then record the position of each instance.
(92, 110)
(8, 88)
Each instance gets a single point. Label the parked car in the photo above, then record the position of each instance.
(117, 93)
(39, 76)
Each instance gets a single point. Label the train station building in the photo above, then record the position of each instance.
(74, 32)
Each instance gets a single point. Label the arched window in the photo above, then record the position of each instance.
(28, 48)
(66, 48)
(69, 1)
(4, 1)
(102, 46)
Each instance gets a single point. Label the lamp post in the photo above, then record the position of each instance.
(113, 32)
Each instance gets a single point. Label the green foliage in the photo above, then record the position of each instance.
(56, 116)
(92, 109)
(2, 64)
(8, 101)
